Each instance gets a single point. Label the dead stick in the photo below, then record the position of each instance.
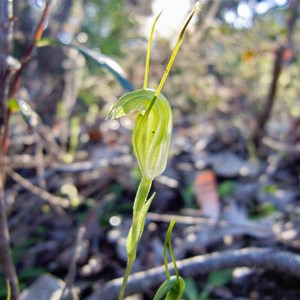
(268, 259)
(70, 278)
(56, 202)
(263, 117)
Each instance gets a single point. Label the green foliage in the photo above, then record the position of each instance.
(191, 290)
(270, 189)
(188, 195)
(219, 278)
(25, 276)
(268, 208)
(226, 188)
(215, 279)
(106, 23)
(13, 105)
(263, 210)
(30, 273)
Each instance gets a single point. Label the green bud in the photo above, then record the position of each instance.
(152, 131)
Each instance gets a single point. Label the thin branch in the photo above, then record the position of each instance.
(55, 201)
(7, 264)
(69, 281)
(27, 53)
(263, 117)
(268, 259)
(206, 21)
(294, 12)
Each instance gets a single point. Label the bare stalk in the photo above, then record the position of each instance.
(265, 114)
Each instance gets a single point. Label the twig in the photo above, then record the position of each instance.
(55, 201)
(40, 166)
(279, 261)
(208, 16)
(263, 117)
(282, 146)
(28, 162)
(6, 257)
(27, 53)
(205, 221)
(69, 281)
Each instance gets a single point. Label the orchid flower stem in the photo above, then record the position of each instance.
(136, 229)
(129, 266)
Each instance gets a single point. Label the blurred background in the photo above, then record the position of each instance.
(234, 153)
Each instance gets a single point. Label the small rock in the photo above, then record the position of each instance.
(227, 164)
(46, 287)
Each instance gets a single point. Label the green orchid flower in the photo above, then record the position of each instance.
(151, 141)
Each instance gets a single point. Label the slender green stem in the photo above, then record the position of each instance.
(167, 243)
(129, 266)
(136, 229)
(171, 250)
(149, 52)
(8, 296)
(141, 196)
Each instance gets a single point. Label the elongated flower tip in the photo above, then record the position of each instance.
(130, 102)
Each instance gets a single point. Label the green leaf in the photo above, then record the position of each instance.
(177, 291)
(97, 57)
(226, 188)
(219, 278)
(30, 273)
(165, 287)
(191, 291)
(132, 241)
(172, 288)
